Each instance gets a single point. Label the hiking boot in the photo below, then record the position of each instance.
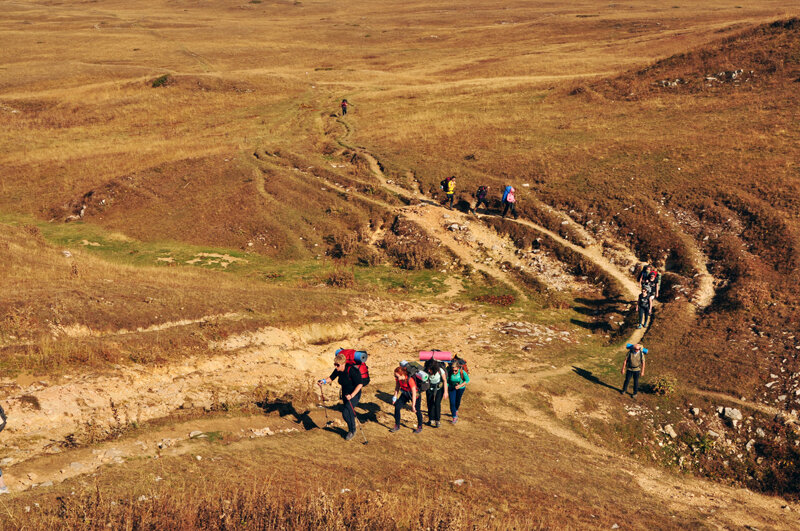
(396, 427)
(633, 396)
(639, 326)
(455, 419)
(435, 423)
(419, 429)
(349, 435)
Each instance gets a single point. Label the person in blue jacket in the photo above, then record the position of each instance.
(509, 201)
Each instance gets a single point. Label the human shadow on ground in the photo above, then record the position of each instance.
(601, 325)
(284, 408)
(587, 375)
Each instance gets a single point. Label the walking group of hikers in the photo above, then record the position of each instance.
(508, 200)
(442, 377)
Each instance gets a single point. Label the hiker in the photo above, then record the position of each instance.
(405, 390)
(509, 201)
(457, 381)
(349, 377)
(344, 106)
(633, 367)
(3, 418)
(650, 279)
(645, 307)
(450, 190)
(437, 377)
(481, 194)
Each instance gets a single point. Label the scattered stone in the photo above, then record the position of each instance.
(195, 433)
(782, 398)
(750, 444)
(7, 461)
(343, 491)
(615, 526)
(47, 484)
(731, 413)
(458, 482)
(760, 432)
(76, 465)
(696, 411)
(263, 432)
(66, 253)
(199, 457)
(669, 430)
(713, 434)
(142, 498)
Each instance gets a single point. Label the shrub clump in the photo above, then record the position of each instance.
(665, 385)
(341, 278)
(162, 81)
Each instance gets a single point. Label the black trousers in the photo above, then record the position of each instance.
(512, 206)
(485, 203)
(628, 375)
(402, 400)
(348, 413)
(435, 403)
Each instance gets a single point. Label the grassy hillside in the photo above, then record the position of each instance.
(189, 228)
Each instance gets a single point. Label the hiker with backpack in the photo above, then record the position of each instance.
(481, 194)
(406, 390)
(449, 187)
(509, 201)
(344, 105)
(633, 367)
(645, 307)
(457, 382)
(3, 419)
(650, 279)
(349, 377)
(437, 378)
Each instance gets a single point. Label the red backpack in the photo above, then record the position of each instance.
(356, 358)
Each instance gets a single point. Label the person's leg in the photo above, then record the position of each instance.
(459, 393)
(505, 209)
(451, 197)
(437, 402)
(636, 382)
(418, 406)
(347, 415)
(430, 400)
(514, 210)
(452, 394)
(642, 316)
(398, 407)
(3, 488)
(627, 379)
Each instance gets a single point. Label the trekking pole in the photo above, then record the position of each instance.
(360, 427)
(324, 407)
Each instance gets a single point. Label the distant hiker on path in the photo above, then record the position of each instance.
(349, 377)
(633, 367)
(645, 307)
(449, 187)
(509, 201)
(344, 106)
(457, 382)
(405, 391)
(481, 194)
(3, 419)
(437, 377)
(650, 279)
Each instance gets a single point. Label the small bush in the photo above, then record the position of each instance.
(665, 385)
(162, 81)
(341, 278)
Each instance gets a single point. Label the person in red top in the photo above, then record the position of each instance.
(405, 390)
(345, 104)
